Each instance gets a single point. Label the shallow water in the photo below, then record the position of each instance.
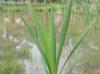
(89, 62)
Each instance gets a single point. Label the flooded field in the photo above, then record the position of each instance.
(17, 42)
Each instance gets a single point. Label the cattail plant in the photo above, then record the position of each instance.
(44, 36)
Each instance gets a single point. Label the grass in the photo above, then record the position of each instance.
(8, 62)
(11, 67)
(44, 35)
(9, 57)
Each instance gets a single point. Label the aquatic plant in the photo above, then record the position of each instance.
(44, 35)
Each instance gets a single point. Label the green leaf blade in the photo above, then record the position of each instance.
(79, 41)
(64, 29)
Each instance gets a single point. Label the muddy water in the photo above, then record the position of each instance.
(36, 66)
(11, 27)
